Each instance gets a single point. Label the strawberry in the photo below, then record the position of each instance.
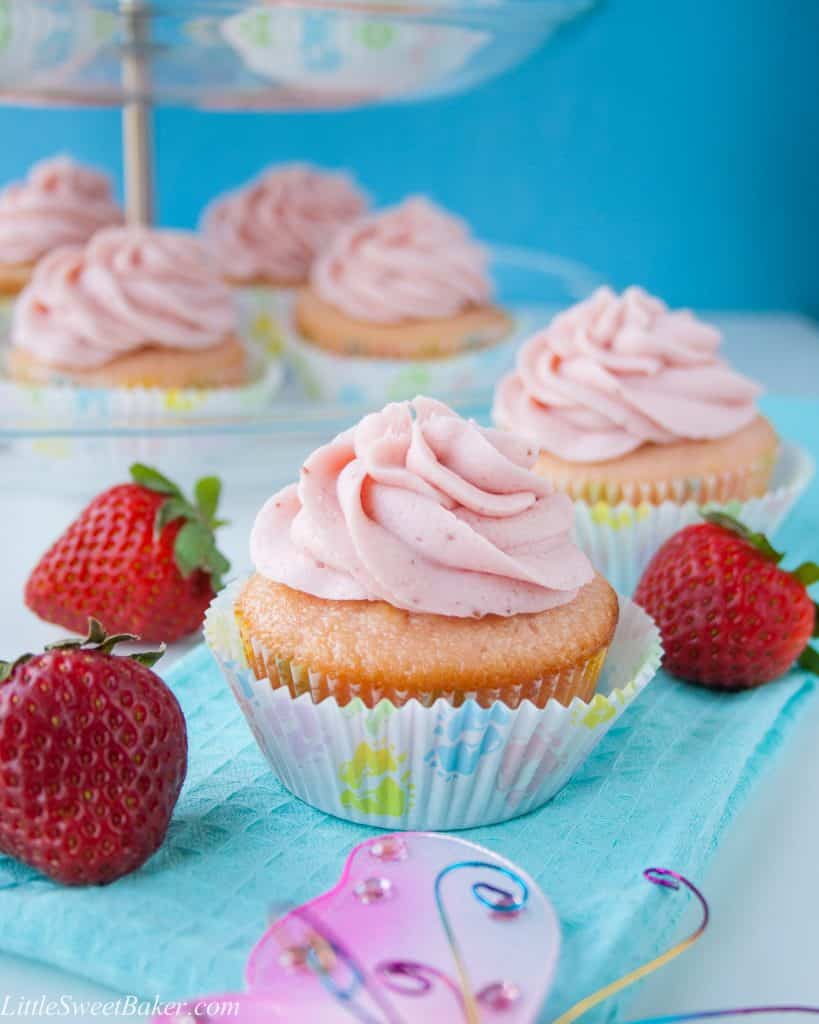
(141, 557)
(729, 616)
(93, 754)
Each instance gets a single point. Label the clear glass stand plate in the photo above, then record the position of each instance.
(41, 451)
(235, 54)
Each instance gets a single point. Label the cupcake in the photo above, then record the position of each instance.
(629, 401)
(419, 557)
(421, 642)
(405, 288)
(60, 203)
(637, 417)
(135, 307)
(270, 232)
(267, 235)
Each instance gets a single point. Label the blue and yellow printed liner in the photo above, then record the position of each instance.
(353, 379)
(621, 536)
(434, 767)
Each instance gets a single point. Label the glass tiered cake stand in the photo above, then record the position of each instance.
(271, 55)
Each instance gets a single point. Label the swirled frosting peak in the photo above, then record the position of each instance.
(275, 227)
(428, 512)
(617, 371)
(60, 203)
(128, 288)
(413, 262)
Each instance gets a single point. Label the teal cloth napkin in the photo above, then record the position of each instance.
(659, 790)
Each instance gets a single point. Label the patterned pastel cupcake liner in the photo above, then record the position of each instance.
(73, 406)
(117, 424)
(6, 310)
(437, 767)
(621, 538)
(356, 380)
(579, 680)
(264, 315)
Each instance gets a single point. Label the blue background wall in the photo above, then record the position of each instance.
(671, 144)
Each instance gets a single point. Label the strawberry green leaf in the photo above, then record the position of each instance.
(96, 632)
(147, 476)
(94, 638)
(170, 510)
(7, 667)
(806, 573)
(217, 565)
(809, 660)
(195, 544)
(107, 645)
(757, 540)
(191, 547)
(97, 642)
(207, 493)
(815, 619)
(148, 658)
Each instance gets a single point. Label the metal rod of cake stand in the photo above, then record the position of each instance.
(137, 117)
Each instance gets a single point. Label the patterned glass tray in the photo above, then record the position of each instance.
(237, 54)
(61, 448)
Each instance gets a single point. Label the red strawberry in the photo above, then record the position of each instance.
(93, 754)
(141, 557)
(729, 616)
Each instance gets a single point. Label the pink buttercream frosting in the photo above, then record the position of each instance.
(413, 262)
(127, 288)
(59, 203)
(275, 227)
(428, 512)
(617, 371)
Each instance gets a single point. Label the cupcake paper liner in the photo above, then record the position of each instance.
(437, 767)
(6, 311)
(363, 55)
(353, 380)
(69, 408)
(620, 539)
(264, 314)
(733, 485)
(299, 679)
(79, 406)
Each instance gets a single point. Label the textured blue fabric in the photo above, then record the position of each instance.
(660, 790)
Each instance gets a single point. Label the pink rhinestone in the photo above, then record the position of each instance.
(373, 890)
(293, 956)
(502, 995)
(389, 848)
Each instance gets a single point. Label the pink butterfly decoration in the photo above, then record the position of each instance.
(376, 947)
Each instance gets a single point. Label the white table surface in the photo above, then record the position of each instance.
(763, 943)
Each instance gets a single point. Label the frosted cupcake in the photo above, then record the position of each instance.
(266, 236)
(403, 287)
(628, 400)
(419, 557)
(60, 203)
(270, 232)
(135, 307)
(637, 417)
(422, 644)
